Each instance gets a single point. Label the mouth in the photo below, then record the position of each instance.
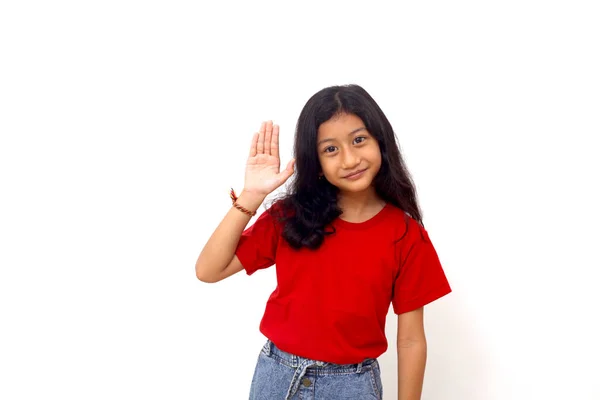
(353, 174)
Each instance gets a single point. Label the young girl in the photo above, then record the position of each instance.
(347, 240)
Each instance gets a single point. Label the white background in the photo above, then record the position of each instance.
(125, 123)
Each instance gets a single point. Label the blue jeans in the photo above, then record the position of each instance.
(284, 376)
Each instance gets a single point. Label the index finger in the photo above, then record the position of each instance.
(275, 141)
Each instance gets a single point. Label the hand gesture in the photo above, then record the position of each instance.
(262, 169)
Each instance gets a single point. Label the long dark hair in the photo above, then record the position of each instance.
(310, 204)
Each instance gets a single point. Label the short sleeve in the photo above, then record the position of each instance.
(258, 244)
(421, 278)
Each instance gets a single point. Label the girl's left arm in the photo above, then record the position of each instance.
(412, 354)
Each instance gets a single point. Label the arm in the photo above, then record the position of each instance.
(217, 260)
(412, 354)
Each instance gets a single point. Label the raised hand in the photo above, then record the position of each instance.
(262, 169)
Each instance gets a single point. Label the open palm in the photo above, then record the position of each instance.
(262, 168)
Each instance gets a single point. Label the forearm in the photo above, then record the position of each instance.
(412, 356)
(220, 248)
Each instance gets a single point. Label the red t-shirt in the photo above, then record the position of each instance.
(331, 304)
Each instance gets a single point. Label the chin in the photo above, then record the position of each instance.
(354, 187)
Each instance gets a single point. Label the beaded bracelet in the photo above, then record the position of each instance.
(236, 205)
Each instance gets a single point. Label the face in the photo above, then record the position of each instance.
(345, 146)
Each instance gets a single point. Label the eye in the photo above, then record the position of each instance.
(360, 137)
(327, 148)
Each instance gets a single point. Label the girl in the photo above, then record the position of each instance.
(347, 240)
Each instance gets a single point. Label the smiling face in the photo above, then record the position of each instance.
(344, 147)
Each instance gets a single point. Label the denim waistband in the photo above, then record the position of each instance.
(306, 366)
(316, 366)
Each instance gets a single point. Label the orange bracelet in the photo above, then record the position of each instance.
(236, 205)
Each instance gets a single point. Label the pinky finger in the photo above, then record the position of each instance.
(253, 145)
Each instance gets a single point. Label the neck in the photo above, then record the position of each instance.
(357, 203)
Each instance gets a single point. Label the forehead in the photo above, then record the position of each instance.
(339, 126)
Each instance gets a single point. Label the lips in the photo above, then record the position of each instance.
(355, 173)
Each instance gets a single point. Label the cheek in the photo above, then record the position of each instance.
(329, 166)
(326, 165)
(377, 154)
(376, 158)
(323, 162)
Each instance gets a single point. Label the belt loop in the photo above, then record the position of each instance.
(359, 367)
(267, 347)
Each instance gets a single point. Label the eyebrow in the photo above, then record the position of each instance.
(351, 133)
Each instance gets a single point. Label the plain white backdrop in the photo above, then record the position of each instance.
(124, 124)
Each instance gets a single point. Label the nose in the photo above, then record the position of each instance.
(349, 159)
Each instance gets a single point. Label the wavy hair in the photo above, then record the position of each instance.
(310, 204)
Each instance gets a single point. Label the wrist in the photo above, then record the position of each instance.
(249, 200)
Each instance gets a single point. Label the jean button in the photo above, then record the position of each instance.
(306, 382)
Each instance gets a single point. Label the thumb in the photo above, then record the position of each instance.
(288, 171)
